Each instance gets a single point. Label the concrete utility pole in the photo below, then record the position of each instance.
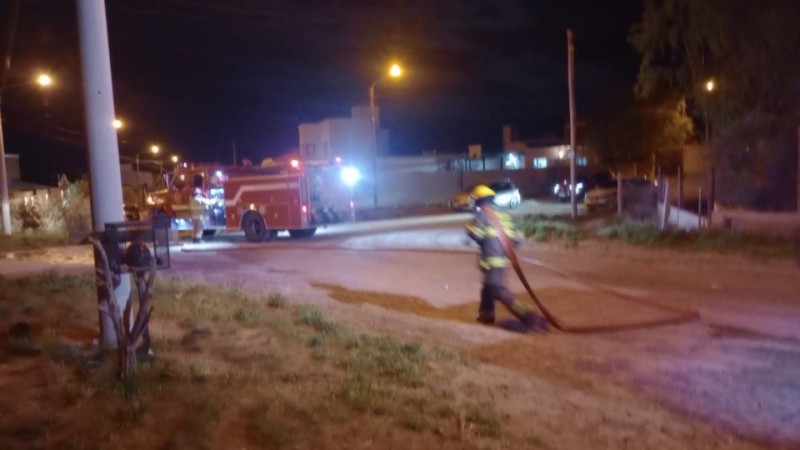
(573, 157)
(104, 168)
(6, 207)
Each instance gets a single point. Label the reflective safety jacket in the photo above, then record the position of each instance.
(481, 230)
(197, 207)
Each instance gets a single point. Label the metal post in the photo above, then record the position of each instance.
(572, 145)
(104, 168)
(374, 124)
(700, 207)
(3, 181)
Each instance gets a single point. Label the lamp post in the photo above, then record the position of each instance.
(154, 149)
(710, 86)
(395, 71)
(44, 81)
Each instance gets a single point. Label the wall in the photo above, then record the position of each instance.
(12, 167)
(775, 224)
(405, 188)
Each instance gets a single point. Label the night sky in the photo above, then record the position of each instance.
(195, 75)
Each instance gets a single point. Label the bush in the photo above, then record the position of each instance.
(543, 229)
(38, 213)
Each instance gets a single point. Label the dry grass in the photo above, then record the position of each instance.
(231, 371)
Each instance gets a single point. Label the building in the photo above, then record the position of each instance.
(540, 153)
(17, 188)
(348, 138)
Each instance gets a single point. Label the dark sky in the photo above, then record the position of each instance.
(194, 75)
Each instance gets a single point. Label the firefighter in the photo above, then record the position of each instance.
(197, 210)
(493, 259)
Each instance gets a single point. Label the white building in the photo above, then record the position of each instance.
(349, 138)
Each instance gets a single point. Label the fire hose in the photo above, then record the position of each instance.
(678, 315)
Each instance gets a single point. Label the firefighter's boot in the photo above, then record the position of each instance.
(486, 318)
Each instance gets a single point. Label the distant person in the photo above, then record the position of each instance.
(493, 258)
(197, 210)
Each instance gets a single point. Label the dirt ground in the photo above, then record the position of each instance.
(728, 380)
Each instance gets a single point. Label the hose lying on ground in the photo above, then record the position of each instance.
(677, 314)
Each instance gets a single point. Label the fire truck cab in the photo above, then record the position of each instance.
(262, 201)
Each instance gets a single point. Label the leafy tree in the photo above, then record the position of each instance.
(641, 134)
(751, 49)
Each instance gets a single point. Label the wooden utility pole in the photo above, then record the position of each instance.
(574, 152)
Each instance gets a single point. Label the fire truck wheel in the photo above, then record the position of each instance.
(254, 228)
(302, 233)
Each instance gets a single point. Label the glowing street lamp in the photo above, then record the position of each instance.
(117, 124)
(44, 80)
(350, 176)
(154, 149)
(175, 159)
(710, 86)
(395, 71)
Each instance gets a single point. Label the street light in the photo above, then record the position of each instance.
(44, 81)
(174, 159)
(710, 86)
(154, 149)
(350, 176)
(117, 124)
(395, 71)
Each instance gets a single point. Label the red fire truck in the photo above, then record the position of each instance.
(259, 200)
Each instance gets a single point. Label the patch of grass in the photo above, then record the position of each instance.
(317, 373)
(5, 311)
(277, 300)
(23, 346)
(415, 422)
(313, 317)
(543, 229)
(364, 394)
(58, 282)
(633, 233)
(485, 418)
(644, 234)
(198, 373)
(278, 423)
(31, 241)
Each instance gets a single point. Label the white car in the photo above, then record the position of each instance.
(506, 194)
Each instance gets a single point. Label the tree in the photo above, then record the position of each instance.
(641, 134)
(752, 52)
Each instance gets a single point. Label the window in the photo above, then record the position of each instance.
(581, 161)
(311, 151)
(324, 150)
(539, 163)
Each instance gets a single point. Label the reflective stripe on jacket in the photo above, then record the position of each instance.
(197, 207)
(493, 256)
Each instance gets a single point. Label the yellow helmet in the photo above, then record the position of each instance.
(482, 191)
